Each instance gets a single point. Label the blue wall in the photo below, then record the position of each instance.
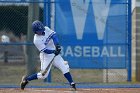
(93, 33)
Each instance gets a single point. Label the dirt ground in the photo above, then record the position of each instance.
(66, 90)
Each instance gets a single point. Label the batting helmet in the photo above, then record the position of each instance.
(38, 26)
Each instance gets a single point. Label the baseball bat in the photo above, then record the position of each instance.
(45, 71)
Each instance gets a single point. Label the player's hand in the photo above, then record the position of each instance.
(56, 52)
(58, 49)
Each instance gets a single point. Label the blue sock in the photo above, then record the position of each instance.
(31, 77)
(68, 77)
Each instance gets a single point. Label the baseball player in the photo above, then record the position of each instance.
(47, 43)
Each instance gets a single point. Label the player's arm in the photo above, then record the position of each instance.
(56, 43)
(42, 48)
(48, 51)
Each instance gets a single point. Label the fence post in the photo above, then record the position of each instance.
(33, 14)
(6, 56)
(129, 40)
(47, 21)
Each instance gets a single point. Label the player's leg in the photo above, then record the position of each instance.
(45, 59)
(25, 80)
(64, 67)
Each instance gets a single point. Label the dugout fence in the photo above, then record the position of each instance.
(96, 44)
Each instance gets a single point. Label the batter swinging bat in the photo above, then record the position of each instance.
(49, 66)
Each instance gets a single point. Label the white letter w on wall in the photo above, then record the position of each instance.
(79, 11)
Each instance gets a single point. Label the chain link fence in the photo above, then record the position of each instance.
(14, 28)
(14, 16)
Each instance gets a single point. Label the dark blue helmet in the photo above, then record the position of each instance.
(38, 26)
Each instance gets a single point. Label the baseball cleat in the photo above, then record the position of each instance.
(73, 86)
(23, 83)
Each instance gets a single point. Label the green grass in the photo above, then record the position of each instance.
(79, 75)
(138, 9)
(11, 74)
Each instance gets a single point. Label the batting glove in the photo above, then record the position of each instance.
(58, 49)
